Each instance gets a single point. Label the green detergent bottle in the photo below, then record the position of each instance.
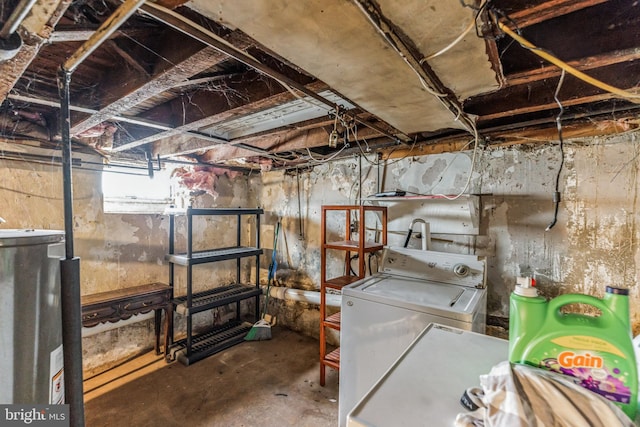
(597, 351)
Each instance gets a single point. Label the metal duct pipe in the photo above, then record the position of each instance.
(310, 297)
(10, 40)
(16, 18)
(10, 46)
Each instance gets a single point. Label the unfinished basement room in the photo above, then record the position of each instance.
(319, 213)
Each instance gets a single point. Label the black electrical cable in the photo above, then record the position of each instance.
(556, 194)
(351, 270)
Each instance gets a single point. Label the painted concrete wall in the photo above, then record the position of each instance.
(592, 245)
(118, 250)
(115, 251)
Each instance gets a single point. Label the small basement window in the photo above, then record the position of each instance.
(128, 191)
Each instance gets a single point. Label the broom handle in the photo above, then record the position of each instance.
(272, 267)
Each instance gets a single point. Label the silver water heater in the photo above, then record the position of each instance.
(31, 359)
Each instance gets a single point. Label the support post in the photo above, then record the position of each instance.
(70, 275)
(70, 265)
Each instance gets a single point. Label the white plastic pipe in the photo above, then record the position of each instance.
(426, 236)
(311, 297)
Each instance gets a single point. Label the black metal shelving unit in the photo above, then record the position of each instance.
(219, 337)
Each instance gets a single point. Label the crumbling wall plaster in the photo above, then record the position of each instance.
(592, 245)
(119, 250)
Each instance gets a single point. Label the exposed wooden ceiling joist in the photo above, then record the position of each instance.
(282, 141)
(522, 135)
(36, 30)
(159, 83)
(601, 29)
(66, 34)
(548, 10)
(236, 97)
(583, 64)
(537, 95)
(129, 59)
(176, 67)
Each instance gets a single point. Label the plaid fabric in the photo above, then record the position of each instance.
(524, 396)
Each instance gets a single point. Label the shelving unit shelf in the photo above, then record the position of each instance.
(203, 257)
(196, 347)
(350, 247)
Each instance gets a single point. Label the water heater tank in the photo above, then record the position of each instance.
(31, 360)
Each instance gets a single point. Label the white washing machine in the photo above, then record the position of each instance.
(382, 314)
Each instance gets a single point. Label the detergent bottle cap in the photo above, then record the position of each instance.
(525, 287)
(617, 291)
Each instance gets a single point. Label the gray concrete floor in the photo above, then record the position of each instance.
(259, 383)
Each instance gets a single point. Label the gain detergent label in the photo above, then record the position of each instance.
(594, 364)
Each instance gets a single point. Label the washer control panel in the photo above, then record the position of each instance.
(443, 267)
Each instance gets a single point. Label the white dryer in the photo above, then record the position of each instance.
(382, 314)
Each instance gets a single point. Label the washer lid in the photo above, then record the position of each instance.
(416, 291)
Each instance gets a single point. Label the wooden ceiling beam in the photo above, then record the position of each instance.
(583, 129)
(520, 110)
(523, 135)
(584, 64)
(74, 34)
(185, 62)
(278, 142)
(35, 30)
(128, 58)
(548, 10)
(235, 98)
(537, 95)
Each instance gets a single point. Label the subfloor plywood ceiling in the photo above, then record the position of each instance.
(253, 84)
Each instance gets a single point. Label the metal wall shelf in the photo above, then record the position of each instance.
(219, 337)
(203, 257)
(211, 342)
(213, 298)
